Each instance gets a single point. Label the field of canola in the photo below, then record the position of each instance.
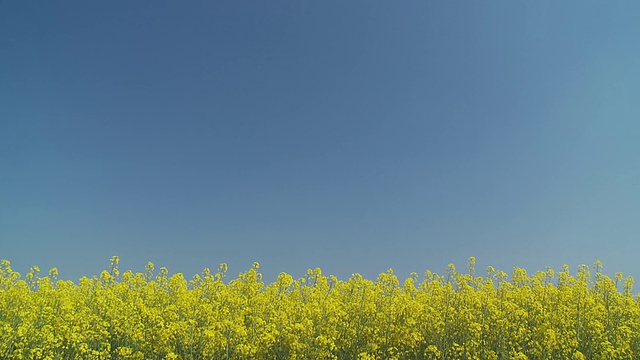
(457, 315)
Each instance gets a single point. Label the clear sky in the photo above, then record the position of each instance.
(348, 135)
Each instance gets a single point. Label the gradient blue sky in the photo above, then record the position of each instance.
(348, 135)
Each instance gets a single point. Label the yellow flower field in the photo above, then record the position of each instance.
(457, 315)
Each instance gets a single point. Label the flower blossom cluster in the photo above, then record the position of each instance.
(457, 315)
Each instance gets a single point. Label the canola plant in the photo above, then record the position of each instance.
(151, 315)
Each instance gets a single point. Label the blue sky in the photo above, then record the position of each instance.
(348, 135)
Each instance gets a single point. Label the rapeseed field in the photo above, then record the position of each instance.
(456, 315)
